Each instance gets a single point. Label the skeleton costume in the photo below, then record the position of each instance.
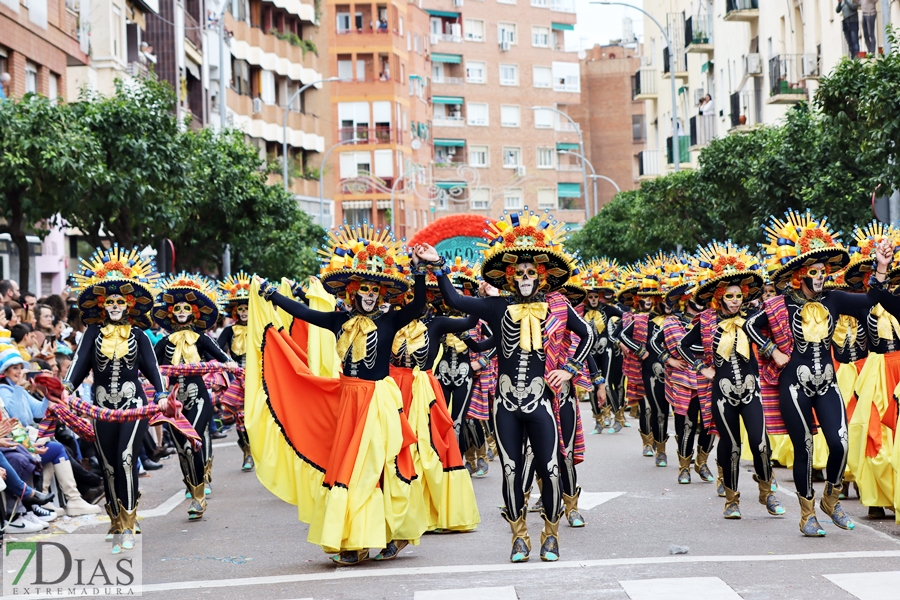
(530, 329)
(117, 351)
(720, 341)
(187, 307)
(345, 445)
(233, 341)
(802, 329)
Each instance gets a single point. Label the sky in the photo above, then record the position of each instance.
(598, 24)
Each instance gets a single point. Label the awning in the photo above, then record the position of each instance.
(449, 185)
(446, 58)
(568, 190)
(356, 204)
(567, 146)
(446, 143)
(562, 27)
(443, 13)
(446, 99)
(419, 77)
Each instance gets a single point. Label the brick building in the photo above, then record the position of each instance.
(612, 122)
(39, 39)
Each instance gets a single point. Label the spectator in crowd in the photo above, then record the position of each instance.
(23, 338)
(9, 291)
(707, 107)
(6, 314)
(44, 316)
(4, 82)
(29, 300)
(869, 15)
(57, 305)
(14, 317)
(849, 10)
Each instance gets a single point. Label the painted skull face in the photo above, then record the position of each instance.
(593, 299)
(242, 312)
(526, 279)
(115, 306)
(183, 313)
(733, 299)
(367, 296)
(815, 277)
(768, 292)
(646, 302)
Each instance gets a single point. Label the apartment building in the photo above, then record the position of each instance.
(492, 61)
(380, 115)
(612, 121)
(119, 45)
(754, 58)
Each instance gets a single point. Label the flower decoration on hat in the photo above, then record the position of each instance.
(863, 254)
(235, 289)
(111, 272)
(627, 284)
(525, 237)
(191, 288)
(678, 278)
(798, 241)
(603, 275)
(652, 270)
(464, 276)
(574, 289)
(722, 264)
(352, 255)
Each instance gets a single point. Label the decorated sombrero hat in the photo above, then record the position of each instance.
(627, 284)
(116, 271)
(464, 276)
(650, 274)
(800, 240)
(356, 254)
(721, 264)
(574, 288)
(604, 274)
(525, 237)
(235, 289)
(198, 291)
(862, 254)
(835, 281)
(677, 279)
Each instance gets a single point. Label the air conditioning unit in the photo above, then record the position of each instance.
(698, 95)
(457, 2)
(754, 64)
(810, 65)
(520, 171)
(435, 38)
(257, 105)
(451, 150)
(504, 45)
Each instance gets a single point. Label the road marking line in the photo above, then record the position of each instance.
(589, 500)
(164, 508)
(867, 586)
(490, 593)
(224, 444)
(685, 588)
(367, 572)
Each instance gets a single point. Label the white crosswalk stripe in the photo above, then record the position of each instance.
(490, 593)
(687, 588)
(868, 586)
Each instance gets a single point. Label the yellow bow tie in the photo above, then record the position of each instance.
(239, 340)
(530, 315)
(597, 318)
(733, 337)
(454, 342)
(814, 319)
(845, 329)
(888, 327)
(354, 335)
(185, 342)
(414, 336)
(115, 340)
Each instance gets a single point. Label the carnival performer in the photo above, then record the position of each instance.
(442, 493)
(727, 277)
(525, 258)
(115, 296)
(643, 337)
(684, 389)
(186, 308)
(342, 448)
(800, 251)
(233, 341)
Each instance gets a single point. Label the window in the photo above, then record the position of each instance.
(506, 1)
(509, 75)
(509, 116)
(543, 119)
(343, 22)
(540, 3)
(545, 158)
(267, 93)
(638, 128)
(241, 78)
(354, 119)
(401, 27)
(512, 199)
(480, 198)
(540, 37)
(31, 78)
(546, 198)
(478, 114)
(474, 29)
(506, 32)
(384, 164)
(566, 77)
(542, 77)
(116, 32)
(54, 88)
(345, 70)
(355, 164)
(511, 157)
(475, 72)
(479, 156)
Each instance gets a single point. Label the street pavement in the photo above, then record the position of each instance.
(251, 545)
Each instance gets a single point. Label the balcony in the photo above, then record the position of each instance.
(786, 81)
(437, 38)
(267, 51)
(448, 80)
(566, 6)
(648, 164)
(703, 131)
(304, 130)
(684, 150)
(680, 64)
(643, 84)
(746, 110)
(449, 121)
(742, 10)
(698, 34)
(380, 134)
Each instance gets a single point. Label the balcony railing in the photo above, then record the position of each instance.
(448, 80)
(697, 31)
(746, 108)
(380, 134)
(565, 126)
(680, 61)
(741, 10)
(569, 167)
(362, 30)
(643, 83)
(567, 6)
(648, 163)
(449, 121)
(437, 38)
(703, 129)
(450, 161)
(684, 145)
(785, 75)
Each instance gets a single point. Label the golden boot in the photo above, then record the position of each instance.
(702, 468)
(128, 520)
(809, 524)
(198, 500)
(521, 542)
(831, 506)
(570, 505)
(767, 497)
(550, 538)
(684, 469)
(732, 504)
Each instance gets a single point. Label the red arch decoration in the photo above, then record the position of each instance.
(461, 225)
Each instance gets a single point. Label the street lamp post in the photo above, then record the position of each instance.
(222, 109)
(287, 110)
(580, 147)
(594, 177)
(676, 151)
(322, 178)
